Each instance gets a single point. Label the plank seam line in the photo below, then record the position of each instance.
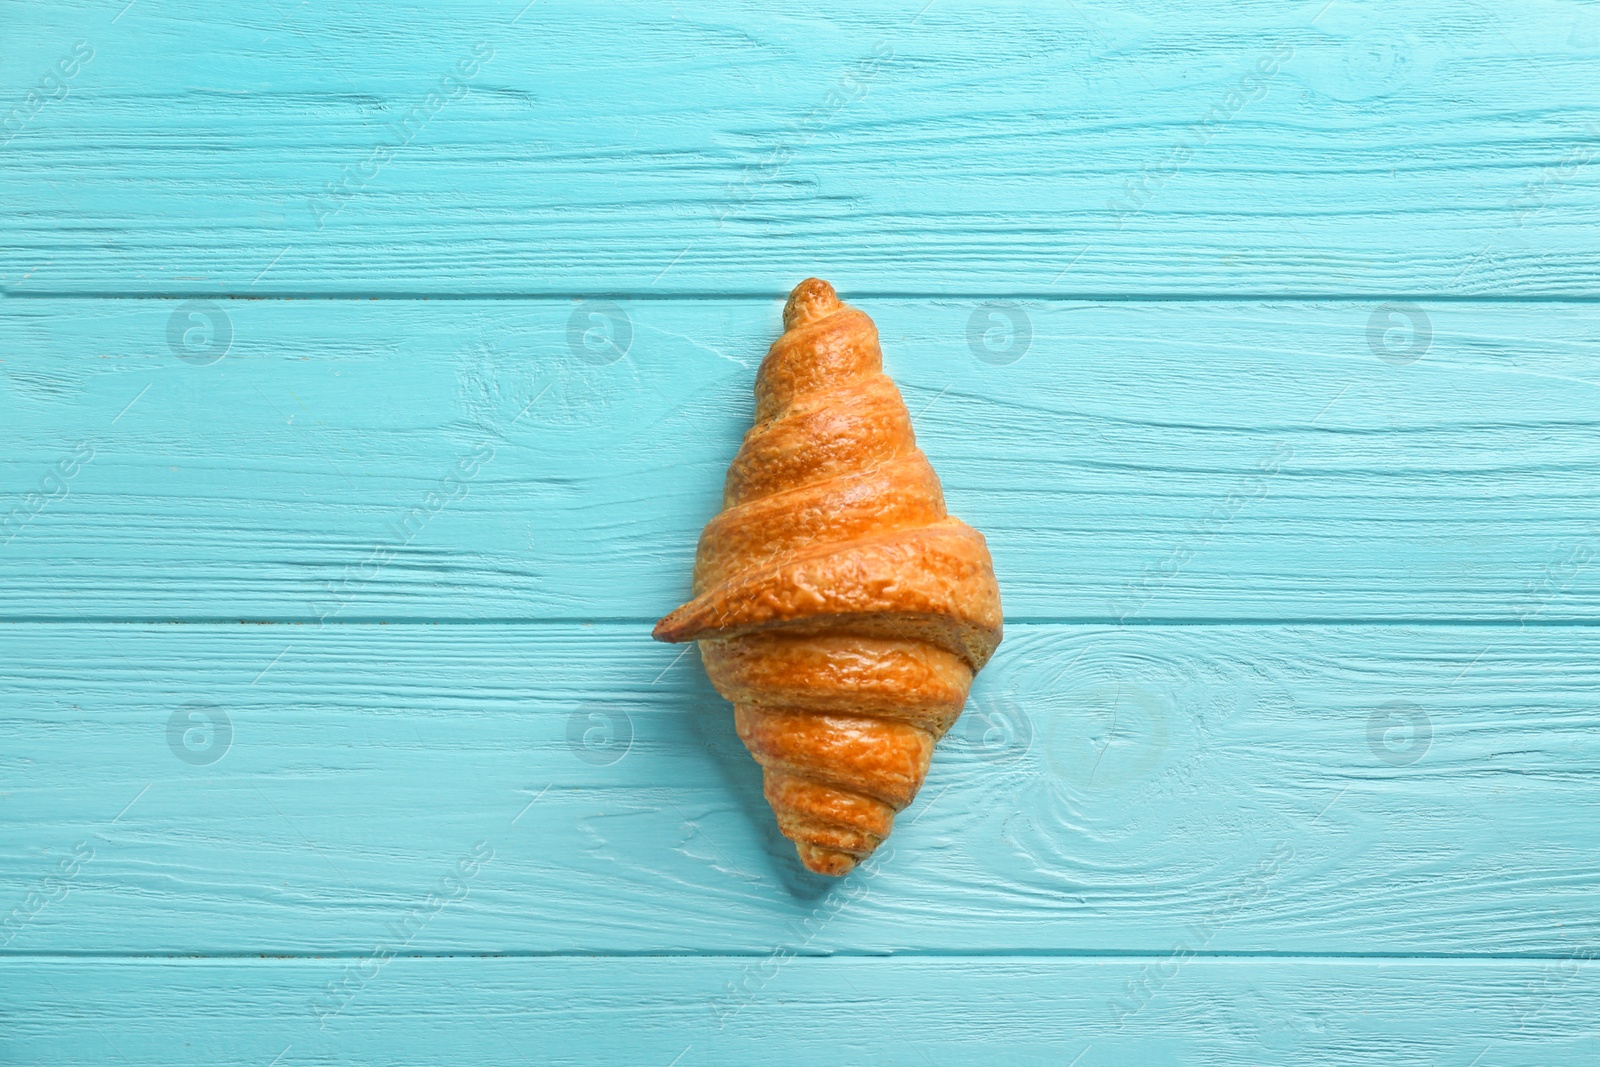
(1583, 956)
(1198, 622)
(855, 295)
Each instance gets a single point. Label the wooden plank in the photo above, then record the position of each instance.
(1014, 1010)
(473, 459)
(1169, 148)
(243, 789)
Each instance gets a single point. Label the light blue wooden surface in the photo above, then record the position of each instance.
(1259, 339)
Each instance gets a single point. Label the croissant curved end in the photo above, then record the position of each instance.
(812, 299)
(829, 861)
(671, 628)
(838, 606)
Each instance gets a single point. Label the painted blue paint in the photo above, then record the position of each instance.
(368, 371)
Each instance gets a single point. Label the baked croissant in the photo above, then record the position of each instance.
(837, 605)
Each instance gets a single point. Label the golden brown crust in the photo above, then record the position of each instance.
(887, 677)
(839, 607)
(833, 433)
(940, 572)
(902, 493)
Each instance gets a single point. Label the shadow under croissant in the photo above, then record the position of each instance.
(710, 727)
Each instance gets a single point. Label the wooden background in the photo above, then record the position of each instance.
(368, 370)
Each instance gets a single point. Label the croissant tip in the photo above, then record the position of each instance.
(669, 629)
(811, 299)
(821, 860)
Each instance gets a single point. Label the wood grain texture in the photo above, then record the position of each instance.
(1269, 789)
(1163, 147)
(462, 459)
(488, 1012)
(1258, 338)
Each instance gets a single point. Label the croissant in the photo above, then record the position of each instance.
(838, 606)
